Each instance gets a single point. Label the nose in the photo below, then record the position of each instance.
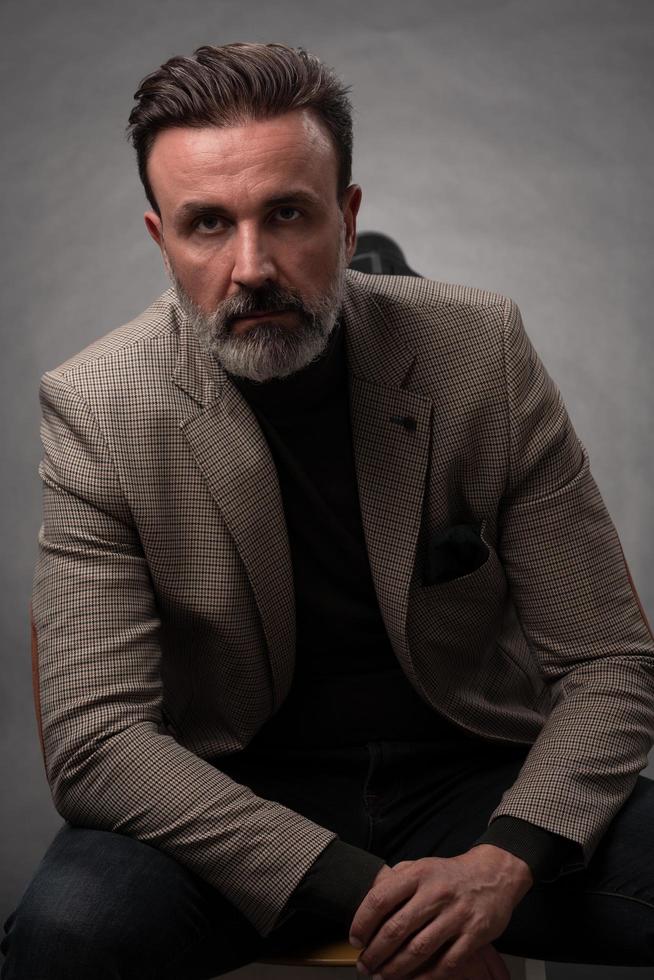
(253, 262)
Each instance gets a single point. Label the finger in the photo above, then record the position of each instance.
(474, 968)
(454, 961)
(401, 946)
(495, 962)
(381, 902)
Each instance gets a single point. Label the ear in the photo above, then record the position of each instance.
(350, 207)
(154, 226)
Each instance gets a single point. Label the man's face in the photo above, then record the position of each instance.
(254, 239)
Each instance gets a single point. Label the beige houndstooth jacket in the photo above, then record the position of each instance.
(163, 592)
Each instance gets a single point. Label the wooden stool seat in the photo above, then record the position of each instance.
(338, 953)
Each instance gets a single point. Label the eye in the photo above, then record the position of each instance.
(283, 212)
(210, 221)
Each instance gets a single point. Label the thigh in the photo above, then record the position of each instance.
(604, 913)
(106, 905)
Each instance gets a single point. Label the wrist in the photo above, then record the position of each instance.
(520, 873)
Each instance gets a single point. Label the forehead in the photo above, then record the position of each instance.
(247, 160)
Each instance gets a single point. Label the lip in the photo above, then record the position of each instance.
(240, 322)
(257, 316)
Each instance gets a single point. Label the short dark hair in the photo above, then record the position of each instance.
(236, 83)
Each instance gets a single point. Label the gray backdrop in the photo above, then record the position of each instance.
(505, 145)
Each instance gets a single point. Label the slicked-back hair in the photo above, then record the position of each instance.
(233, 84)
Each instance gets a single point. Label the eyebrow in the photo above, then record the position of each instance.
(192, 208)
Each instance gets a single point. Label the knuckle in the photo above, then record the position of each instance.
(467, 909)
(452, 962)
(482, 925)
(451, 965)
(393, 929)
(376, 900)
(446, 893)
(419, 946)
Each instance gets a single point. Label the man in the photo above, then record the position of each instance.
(330, 612)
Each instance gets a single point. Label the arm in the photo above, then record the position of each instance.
(109, 761)
(586, 629)
(579, 613)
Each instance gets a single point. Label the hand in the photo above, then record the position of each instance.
(434, 918)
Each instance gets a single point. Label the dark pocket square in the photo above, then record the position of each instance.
(453, 552)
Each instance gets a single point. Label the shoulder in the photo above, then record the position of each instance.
(125, 368)
(420, 293)
(430, 309)
(462, 324)
(133, 341)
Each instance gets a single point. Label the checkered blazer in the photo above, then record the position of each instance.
(163, 592)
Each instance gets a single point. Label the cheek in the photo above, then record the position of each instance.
(204, 275)
(316, 262)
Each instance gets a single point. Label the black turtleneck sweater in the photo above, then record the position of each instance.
(348, 687)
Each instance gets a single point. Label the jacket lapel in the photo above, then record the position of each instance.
(233, 455)
(391, 428)
(390, 460)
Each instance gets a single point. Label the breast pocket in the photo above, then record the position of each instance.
(458, 602)
(454, 553)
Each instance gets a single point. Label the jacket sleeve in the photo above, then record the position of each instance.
(579, 613)
(109, 761)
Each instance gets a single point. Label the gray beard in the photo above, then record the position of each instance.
(267, 350)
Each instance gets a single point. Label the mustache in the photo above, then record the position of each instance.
(264, 299)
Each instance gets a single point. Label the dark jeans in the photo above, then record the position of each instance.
(104, 905)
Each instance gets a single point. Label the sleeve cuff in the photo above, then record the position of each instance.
(337, 882)
(341, 876)
(548, 855)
